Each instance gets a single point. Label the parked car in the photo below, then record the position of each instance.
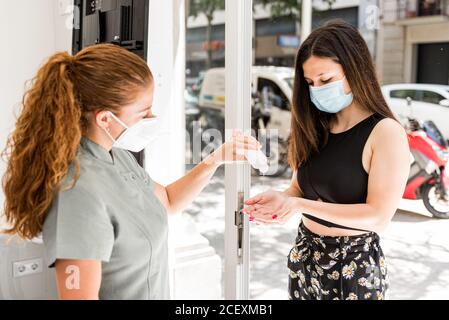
(430, 102)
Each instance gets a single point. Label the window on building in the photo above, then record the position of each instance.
(275, 26)
(196, 35)
(430, 7)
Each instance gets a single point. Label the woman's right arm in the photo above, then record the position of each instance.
(78, 279)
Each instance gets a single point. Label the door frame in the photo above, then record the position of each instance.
(238, 63)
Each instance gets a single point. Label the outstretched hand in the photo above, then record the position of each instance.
(270, 207)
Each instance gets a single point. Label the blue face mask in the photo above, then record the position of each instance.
(330, 98)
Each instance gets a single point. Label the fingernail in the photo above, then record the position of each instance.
(274, 216)
(251, 218)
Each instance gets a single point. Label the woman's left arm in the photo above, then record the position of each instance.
(178, 195)
(388, 175)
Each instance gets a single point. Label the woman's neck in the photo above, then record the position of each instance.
(348, 117)
(99, 138)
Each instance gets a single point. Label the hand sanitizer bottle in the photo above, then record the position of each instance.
(258, 160)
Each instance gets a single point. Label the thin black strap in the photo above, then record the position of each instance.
(330, 224)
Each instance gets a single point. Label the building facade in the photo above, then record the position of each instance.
(276, 40)
(414, 41)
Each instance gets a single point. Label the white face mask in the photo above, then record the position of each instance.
(136, 137)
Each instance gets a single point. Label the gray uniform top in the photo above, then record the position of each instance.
(112, 215)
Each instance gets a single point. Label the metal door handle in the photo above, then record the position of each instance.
(239, 224)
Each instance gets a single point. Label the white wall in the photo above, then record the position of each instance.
(166, 59)
(28, 38)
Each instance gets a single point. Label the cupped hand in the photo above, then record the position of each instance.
(270, 207)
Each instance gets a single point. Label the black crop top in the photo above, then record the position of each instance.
(335, 173)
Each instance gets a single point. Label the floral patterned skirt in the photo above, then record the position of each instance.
(336, 268)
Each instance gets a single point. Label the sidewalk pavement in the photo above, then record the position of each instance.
(415, 244)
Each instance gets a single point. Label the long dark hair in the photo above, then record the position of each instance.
(53, 119)
(342, 43)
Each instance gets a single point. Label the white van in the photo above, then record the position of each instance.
(278, 80)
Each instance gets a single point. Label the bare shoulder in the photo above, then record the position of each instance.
(388, 131)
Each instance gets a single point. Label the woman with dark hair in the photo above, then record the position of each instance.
(350, 158)
(70, 175)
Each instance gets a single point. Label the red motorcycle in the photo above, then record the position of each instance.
(429, 171)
